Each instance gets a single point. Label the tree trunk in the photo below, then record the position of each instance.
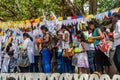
(93, 6)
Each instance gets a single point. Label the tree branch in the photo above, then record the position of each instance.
(6, 8)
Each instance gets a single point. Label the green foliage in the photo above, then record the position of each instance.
(105, 5)
(30, 9)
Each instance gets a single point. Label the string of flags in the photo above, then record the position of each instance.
(16, 28)
(54, 23)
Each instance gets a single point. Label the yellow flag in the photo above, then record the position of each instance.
(24, 25)
(9, 39)
(90, 16)
(74, 30)
(37, 20)
(81, 26)
(60, 18)
(1, 33)
(6, 25)
(12, 23)
(27, 21)
(117, 9)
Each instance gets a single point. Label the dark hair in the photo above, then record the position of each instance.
(103, 29)
(43, 27)
(67, 29)
(94, 22)
(63, 27)
(80, 35)
(116, 15)
(8, 47)
(28, 36)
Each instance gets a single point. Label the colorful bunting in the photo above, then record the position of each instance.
(60, 18)
(90, 16)
(73, 17)
(79, 17)
(109, 14)
(70, 20)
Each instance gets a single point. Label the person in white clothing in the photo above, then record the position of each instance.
(29, 46)
(116, 35)
(65, 42)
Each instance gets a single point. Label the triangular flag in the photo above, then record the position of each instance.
(73, 17)
(90, 16)
(37, 20)
(60, 18)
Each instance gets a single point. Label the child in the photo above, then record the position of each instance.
(80, 59)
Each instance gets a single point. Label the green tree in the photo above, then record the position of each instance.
(30, 9)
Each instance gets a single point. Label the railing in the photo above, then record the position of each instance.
(55, 76)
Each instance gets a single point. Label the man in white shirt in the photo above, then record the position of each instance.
(116, 19)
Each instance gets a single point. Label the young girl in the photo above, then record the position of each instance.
(80, 59)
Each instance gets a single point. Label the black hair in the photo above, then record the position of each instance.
(67, 28)
(8, 47)
(63, 27)
(80, 35)
(103, 29)
(112, 27)
(94, 22)
(116, 15)
(28, 36)
(43, 27)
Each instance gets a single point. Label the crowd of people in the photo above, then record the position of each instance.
(44, 52)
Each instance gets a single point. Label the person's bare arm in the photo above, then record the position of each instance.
(100, 35)
(83, 46)
(46, 39)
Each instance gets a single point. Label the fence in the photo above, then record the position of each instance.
(55, 76)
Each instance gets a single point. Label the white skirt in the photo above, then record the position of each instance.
(80, 60)
(31, 56)
(83, 60)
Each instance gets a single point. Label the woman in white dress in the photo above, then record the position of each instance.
(29, 46)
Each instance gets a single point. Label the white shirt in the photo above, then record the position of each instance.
(117, 34)
(28, 44)
(89, 46)
(5, 63)
(66, 44)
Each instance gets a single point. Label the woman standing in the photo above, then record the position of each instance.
(45, 53)
(29, 46)
(116, 32)
(101, 59)
(66, 42)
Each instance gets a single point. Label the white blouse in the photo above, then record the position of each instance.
(29, 45)
(117, 34)
(66, 44)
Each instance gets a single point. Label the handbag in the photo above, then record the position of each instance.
(68, 52)
(103, 45)
(23, 60)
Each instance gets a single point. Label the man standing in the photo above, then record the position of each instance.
(116, 19)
